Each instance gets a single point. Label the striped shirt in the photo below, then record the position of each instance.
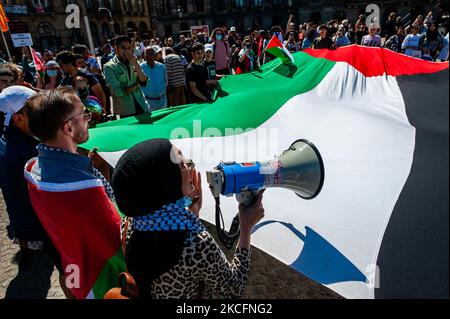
(175, 70)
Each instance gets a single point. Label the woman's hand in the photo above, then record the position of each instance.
(250, 216)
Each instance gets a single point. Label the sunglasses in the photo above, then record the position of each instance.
(86, 115)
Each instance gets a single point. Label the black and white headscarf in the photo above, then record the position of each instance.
(170, 217)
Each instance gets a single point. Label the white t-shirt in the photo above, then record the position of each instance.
(412, 40)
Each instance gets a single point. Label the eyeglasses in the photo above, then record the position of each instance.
(86, 115)
(187, 164)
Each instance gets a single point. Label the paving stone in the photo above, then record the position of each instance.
(269, 278)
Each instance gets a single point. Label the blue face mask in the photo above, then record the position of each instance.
(52, 73)
(219, 37)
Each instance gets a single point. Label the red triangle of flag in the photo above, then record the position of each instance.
(274, 43)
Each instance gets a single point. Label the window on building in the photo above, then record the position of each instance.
(221, 5)
(200, 5)
(239, 3)
(276, 20)
(134, 6)
(126, 3)
(183, 5)
(105, 30)
(168, 30)
(40, 6)
(257, 3)
(276, 2)
(141, 6)
(184, 26)
(167, 7)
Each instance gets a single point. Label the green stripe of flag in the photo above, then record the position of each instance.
(109, 275)
(246, 101)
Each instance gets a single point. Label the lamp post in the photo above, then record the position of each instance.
(111, 21)
(87, 25)
(180, 16)
(290, 4)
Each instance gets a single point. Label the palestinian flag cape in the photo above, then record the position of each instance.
(379, 227)
(84, 227)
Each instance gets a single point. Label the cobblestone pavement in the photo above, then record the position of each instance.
(269, 278)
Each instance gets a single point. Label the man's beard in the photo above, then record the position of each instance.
(82, 136)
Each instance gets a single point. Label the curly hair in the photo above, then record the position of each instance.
(13, 70)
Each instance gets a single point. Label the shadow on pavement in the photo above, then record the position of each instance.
(31, 282)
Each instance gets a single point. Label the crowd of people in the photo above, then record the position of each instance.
(47, 113)
(128, 76)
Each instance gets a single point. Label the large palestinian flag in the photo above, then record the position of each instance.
(84, 227)
(379, 227)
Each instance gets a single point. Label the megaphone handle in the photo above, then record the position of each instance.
(246, 198)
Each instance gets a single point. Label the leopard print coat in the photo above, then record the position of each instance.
(203, 271)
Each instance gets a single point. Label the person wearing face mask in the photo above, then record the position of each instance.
(222, 52)
(52, 76)
(81, 87)
(81, 64)
(168, 250)
(68, 63)
(248, 60)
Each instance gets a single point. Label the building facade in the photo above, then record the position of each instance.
(175, 16)
(46, 20)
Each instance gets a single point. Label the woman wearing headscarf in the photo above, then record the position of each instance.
(432, 41)
(169, 252)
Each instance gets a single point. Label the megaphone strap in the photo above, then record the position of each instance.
(226, 238)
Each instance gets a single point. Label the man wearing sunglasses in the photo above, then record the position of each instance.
(70, 196)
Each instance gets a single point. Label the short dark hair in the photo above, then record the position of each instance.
(197, 46)
(48, 110)
(122, 38)
(65, 57)
(77, 57)
(323, 27)
(169, 51)
(79, 49)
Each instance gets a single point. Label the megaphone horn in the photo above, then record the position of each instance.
(300, 168)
